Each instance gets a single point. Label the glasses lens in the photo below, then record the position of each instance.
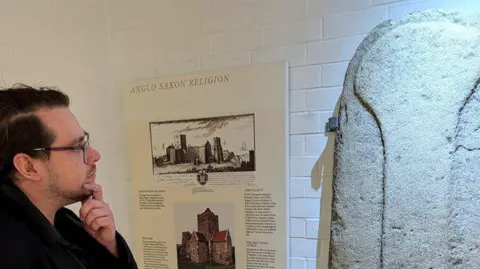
(85, 149)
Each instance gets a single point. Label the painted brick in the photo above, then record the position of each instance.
(293, 32)
(182, 50)
(86, 13)
(127, 41)
(7, 56)
(175, 68)
(297, 187)
(353, 23)
(315, 144)
(397, 11)
(305, 77)
(126, 71)
(323, 98)
(308, 123)
(28, 52)
(186, 36)
(271, 11)
(225, 60)
(177, 23)
(386, 1)
(294, 54)
(124, 14)
(303, 248)
(310, 191)
(131, 59)
(297, 227)
(301, 166)
(313, 226)
(305, 208)
(82, 44)
(297, 101)
(34, 23)
(312, 264)
(297, 146)
(333, 50)
(225, 5)
(334, 74)
(159, 54)
(3, 84)
(305, 123)
(298, 263)
(320, 7)
(160, 15)
(226, 15)
(32, 74)
(236, 40)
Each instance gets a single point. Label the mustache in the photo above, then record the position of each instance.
(93, 170)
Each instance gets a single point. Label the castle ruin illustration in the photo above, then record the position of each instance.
(179, 152)
(220, 144)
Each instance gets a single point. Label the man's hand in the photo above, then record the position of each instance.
(98, 219)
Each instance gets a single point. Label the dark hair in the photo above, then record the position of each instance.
(21, 130)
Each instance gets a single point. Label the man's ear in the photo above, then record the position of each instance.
(26, 166)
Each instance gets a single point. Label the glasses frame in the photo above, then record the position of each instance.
(83, 148)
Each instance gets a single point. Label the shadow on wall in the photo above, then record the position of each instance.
(322, 177)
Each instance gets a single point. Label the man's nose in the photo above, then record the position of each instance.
(93, 155)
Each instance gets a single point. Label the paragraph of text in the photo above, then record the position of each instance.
(259, 218)
(155, 253)
(151, 199)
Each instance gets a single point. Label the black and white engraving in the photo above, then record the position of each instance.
(206, 145)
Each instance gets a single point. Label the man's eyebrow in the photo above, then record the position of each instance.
(79, 139)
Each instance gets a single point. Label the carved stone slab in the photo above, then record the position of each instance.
(406, 190)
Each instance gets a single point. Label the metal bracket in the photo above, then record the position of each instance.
(332, 125)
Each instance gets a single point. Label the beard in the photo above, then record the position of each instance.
(64, 197)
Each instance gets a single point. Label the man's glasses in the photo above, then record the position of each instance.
(83, 148)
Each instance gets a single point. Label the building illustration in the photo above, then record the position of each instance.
(208, 244)
(223, 144)
(179, 152)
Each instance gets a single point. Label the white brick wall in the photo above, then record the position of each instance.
(94, 46)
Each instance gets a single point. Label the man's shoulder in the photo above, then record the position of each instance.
(9, 220)
(18, 246)
(12, 227)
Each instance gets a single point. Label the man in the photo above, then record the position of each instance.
(46, 163)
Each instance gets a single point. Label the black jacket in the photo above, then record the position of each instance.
(29, 241)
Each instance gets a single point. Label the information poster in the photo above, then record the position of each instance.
(208, 161)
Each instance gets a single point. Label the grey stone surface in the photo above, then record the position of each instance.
(406, 188)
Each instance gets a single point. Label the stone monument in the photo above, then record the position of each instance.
(406, 187)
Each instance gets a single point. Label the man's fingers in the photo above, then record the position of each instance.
(89, 205)
(100, 223)
(97, 192)
(94, 214)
